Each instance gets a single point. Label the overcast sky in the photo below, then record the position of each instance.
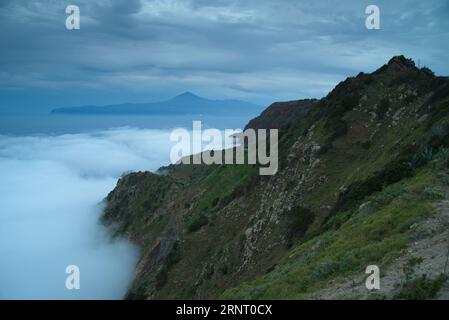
(256, 50)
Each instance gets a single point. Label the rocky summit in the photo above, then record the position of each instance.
(363, 181)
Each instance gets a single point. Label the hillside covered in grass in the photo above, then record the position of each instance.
(363, 180)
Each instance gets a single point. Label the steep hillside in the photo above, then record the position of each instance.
(363, 180)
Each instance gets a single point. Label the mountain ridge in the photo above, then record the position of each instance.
(280, 114)
(182, 104)
(363, 180)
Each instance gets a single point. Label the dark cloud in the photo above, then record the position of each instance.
(257, 50)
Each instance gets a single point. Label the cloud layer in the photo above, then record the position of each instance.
(50, 191)
(259, 50)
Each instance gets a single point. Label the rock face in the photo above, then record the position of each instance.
(362, 180)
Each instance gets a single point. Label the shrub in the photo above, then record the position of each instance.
(438, 101)
(195, 223)
(161, 278)
(324, 269)
(439, 94)
(443, 153)
(439, 130)
(347, 103)
(336, 128)
(366, 145)
(138, 292)
(433, 193)
(350, 101)
(300, 219)
(427, 154)
(215, 202)
(175, 254)
(415, 162)
(421, 288)
(382, 109)
(389, 195)
(357, 191)
(409, 267)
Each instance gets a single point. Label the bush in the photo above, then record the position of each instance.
(366, 145)
(350, 101)
(438, 102)
(336, 128)
(443, 154)
(415, 162)
(138, 292)
(433, 193)
(300, 219)
(388, 195)
(357, 191)
(161, 278)
(347, 103)
(409, 267)
(215, 202)
(439, 130)
(427, 154)
(440, 93)
(384, 105)
(195, 223)
(175, 254)
(324, 269)
(421, 288)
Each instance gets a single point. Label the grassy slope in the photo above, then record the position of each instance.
(368, 129)
(376, 233)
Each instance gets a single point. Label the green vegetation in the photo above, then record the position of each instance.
(225, 183)
(382, 109)
(409, 267)
(300, 219)
(357, 191)
(376, 233)
(195, 223)
(358, 173)
(421, 288)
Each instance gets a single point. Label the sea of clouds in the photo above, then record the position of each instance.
(51, 192)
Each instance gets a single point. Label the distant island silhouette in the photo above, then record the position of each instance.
(183, 104)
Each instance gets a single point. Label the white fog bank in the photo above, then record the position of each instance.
(50, 193)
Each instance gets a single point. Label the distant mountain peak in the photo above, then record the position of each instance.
(182, 104)
(187, 96)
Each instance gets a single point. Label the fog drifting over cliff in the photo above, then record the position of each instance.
(50, 193)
